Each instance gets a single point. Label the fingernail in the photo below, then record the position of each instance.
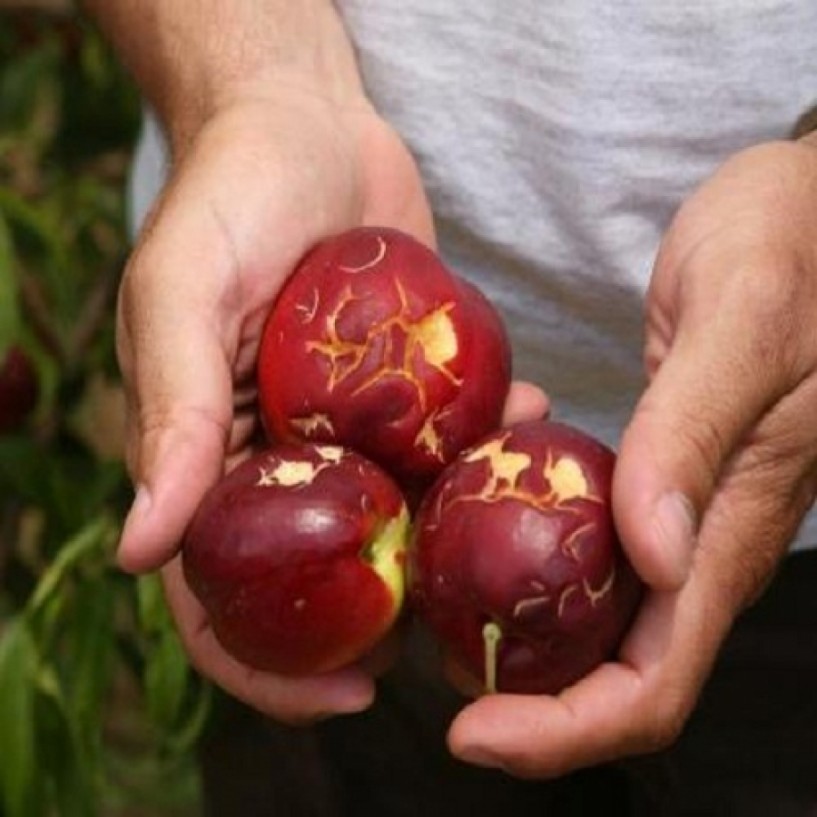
(479, 756)
(139, 510)
(675, 524)
(140, 507)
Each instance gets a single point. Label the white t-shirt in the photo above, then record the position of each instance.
(556, 139)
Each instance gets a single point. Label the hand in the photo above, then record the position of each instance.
(715, 473)
(262, 182)
(301, 700)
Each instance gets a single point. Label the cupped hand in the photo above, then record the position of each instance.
(715, 473)
(261, 182)
(301, 700)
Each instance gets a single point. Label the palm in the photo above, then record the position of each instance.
(268, 214)
(253, 193)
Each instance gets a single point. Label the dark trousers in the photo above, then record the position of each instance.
(749, 749)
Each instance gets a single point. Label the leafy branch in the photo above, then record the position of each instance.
(99, 710)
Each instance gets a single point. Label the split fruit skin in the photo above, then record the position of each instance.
(374, 344)
(19, 389)
(297, 558)
(515, 542)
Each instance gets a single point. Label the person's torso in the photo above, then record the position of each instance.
(557, 139)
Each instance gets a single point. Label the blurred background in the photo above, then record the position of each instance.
(99, 712)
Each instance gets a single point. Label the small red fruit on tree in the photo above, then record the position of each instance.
(297, 557)
(374, 344)
(515, 563)
(19, 389)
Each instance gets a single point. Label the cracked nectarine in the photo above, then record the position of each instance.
(515, 564)
(374, 344)
(297, 557)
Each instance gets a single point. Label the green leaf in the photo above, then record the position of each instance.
(9, 311)
(38, 229)
(32, 225)
(154, 617)
(167, 674)
(178, 703)
(91, 649)
(19, 770)
(185, 736)
(23, 465)
(96, 535)
(63, 761)
(24, 85)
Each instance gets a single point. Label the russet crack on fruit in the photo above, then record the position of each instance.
(374, 344)
(515, 564)
(382, 380)
(297, 558)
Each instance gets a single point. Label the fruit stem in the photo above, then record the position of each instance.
(491, 636)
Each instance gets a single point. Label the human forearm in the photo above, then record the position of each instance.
(191, 58)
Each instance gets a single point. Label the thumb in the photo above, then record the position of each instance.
(179, 388)
(703, 400)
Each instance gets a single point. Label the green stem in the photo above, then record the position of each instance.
(491, 636)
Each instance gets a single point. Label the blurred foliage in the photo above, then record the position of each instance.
(99, 713)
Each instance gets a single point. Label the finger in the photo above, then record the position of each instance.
(641, 703)
(525, 401)
(762, 499)
(291, 700)
(636, 705)
(545, 737)
(712, 387)
(175, 360)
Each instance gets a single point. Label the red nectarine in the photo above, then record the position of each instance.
(515, 563)
(374, 344)
(297, 558)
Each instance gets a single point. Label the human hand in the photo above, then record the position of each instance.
(715, 473)
(302, 700)
(261, 182)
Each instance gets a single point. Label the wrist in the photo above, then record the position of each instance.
(192, 60)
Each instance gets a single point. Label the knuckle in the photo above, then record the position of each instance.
(192, 422)
(663, 734)
(144, 285)
(702, 436)
(773, 299)
(694, 431)
(667, 725)
(693, 423)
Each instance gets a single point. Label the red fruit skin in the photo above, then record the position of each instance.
(19, 390)
(518, 531)
(280, 568)
(341, 358)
